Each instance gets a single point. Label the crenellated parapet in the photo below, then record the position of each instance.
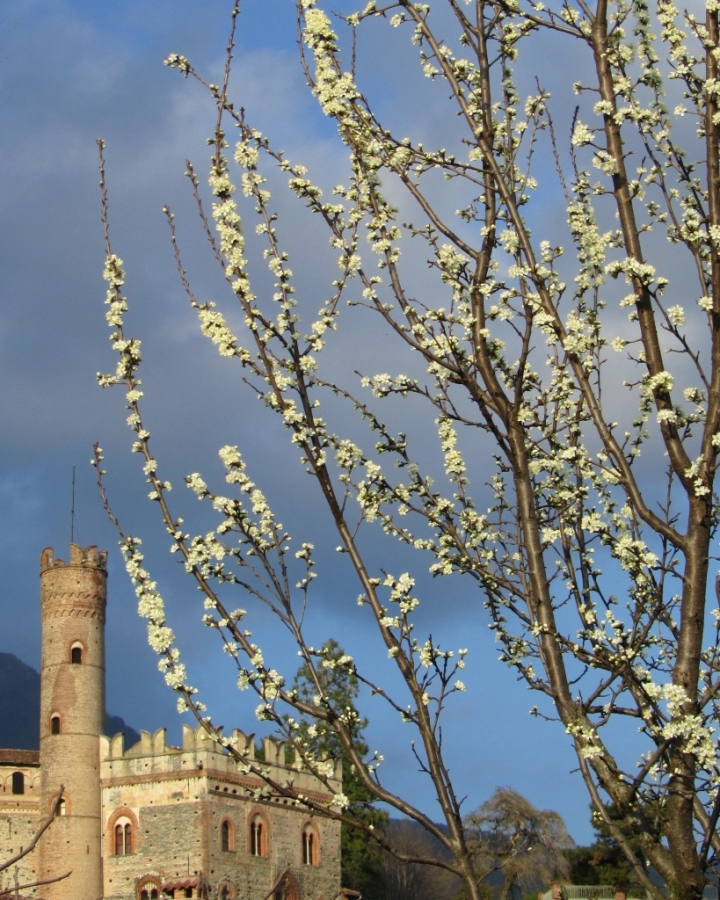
(76, 588)
(89, 558)
(202, 756)
(193, 811)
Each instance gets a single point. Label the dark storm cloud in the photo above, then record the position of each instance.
(70, 72)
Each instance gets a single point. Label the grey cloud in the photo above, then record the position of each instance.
(68, 77)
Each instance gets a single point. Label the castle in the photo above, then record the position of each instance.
(153, 820)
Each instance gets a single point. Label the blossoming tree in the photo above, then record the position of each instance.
(597, 574)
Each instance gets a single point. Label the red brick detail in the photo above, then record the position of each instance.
(122, 812)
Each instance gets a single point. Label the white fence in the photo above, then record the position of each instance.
(587, 892)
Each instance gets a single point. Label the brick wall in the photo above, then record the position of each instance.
(73, 598)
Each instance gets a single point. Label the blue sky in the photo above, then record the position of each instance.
(70, 72)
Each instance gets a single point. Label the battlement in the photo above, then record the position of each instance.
(89, 558)
(196, 740)
(152, 754)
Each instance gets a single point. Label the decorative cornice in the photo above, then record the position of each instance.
(84, 612)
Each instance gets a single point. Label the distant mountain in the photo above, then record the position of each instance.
(20, 708)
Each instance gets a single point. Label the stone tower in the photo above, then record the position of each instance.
(72, 714)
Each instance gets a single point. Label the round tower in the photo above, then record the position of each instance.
(72, 717)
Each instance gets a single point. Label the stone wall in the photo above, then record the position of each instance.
(170, 846)
(19, 815)
(177, 799)
(254, 877)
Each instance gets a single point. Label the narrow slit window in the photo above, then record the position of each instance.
(76, 655)
(55, 725)
(226, 836)
(18, 783)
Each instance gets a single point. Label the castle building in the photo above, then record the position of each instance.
(150, 821)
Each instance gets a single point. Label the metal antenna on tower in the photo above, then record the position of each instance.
(72, 511)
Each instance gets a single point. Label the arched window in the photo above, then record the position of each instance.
(55, 725)
(257, 837)
(62, 808)
(309, 846)
(76, 654)
(148, 890)
(18, 783)
(123, 838)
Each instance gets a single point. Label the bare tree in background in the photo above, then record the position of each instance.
(414, 881)
(524, 844)
(596, 564)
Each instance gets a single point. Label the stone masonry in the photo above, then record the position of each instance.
(150, 821)
(19, 812)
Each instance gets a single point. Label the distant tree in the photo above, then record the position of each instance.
(527, 845)
(600, 863)
(361, 855)
(603, 862)
(413, 881)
